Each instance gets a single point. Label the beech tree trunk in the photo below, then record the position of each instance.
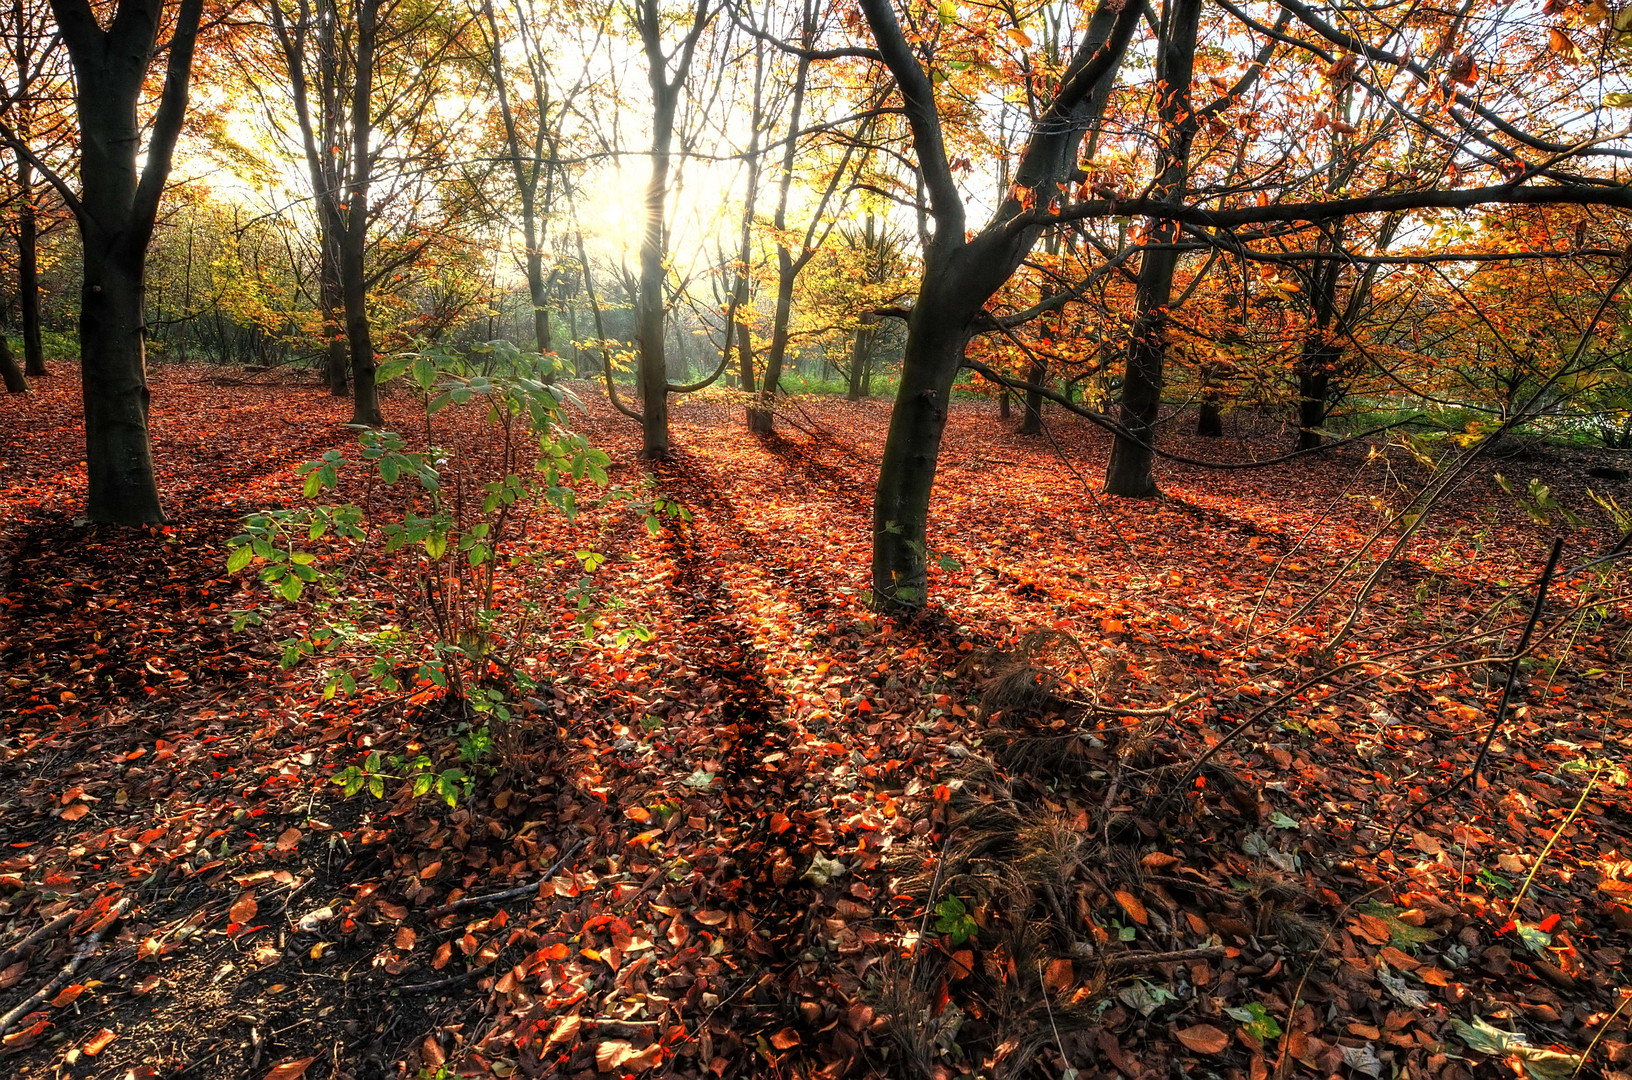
(1210, 421)
(10, 373)
(1314, 383)
(116, 209)
(365, 396)
(1129, 471)
(332, 297)
(961, 272)
(1032, 422)
(654, 369)
(861, 361)
(28, 270)
(937, 332)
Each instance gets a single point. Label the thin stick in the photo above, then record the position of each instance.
(934, 891)
(48, 930)
(1514, 910)
(88, 946)
(1147, 959)
(511, 894)
(1626, 999)
(1472, 774)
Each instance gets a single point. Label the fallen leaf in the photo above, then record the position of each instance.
(1203, 1039)
(292, 1069)
(243, 909)
(1132, 905)
(98, 1042)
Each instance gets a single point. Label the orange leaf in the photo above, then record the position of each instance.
(243, 909)
(75, 812)
(99, 1042)
(962, 965)
(292, 1069)
(69, 993)
(443, 952)
(1203, 1039)
(1130, 904)
(786, 1039)
(565, 1031)
(1058, 976)
(288, 839)
(405, 938)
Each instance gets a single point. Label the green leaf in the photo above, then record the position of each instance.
(424, 373)
(291, 587)
(239, 558)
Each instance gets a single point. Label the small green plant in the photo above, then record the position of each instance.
(443, 528)
(952, 918)
(1255, 1021)
(450, 785)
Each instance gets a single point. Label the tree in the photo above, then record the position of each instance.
(533, 129)
(666, 73)
(376, 69)
(34, 94)
(116, 207)
(962, 270)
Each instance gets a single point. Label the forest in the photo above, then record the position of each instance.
(1007, 539)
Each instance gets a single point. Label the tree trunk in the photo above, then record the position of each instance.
(1210, 421)
(762, 419)
(1129, 471)
(332, 297)
(10, 373)
(654, 370)
(1003, 409)
(123, 488)
(365, 396)
(1032, 422)
(1313, 384)
(28, 271)
(861, 358)
(937, 333)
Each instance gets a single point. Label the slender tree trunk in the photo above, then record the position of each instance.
(761, 420)
(649, 305)
(1129, 471)
(937, 333)
(745, 355)
(28, 271)
(1032, 422)
(861, 358)
(10, 373)
(1004, 410)
(1210, 421)
(365, 397)
(332, 297)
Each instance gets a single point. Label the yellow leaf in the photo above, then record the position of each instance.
(1020, 37)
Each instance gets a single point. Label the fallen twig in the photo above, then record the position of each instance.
(86, 947)
(511, 894)
(48, 930)
(1147, 959)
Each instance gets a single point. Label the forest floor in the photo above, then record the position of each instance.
(796, 838)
